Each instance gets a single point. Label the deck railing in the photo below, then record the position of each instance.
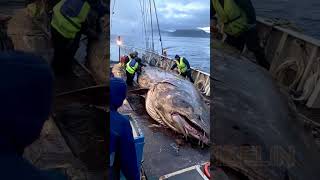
(201, 79)
(291, 51)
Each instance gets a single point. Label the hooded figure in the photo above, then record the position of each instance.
(122, 149)
(26, 97)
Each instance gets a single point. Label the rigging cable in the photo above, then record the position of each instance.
(114, 3)
(155, 9)
(144, 23)
(151, 25)
(113, 6)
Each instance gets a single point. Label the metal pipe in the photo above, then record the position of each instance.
(119, 43)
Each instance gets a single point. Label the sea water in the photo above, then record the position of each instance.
(195, 50)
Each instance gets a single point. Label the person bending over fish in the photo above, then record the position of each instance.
(69, 21)
(238, 22)
(122, 149)
(134, 65)
(183, 67)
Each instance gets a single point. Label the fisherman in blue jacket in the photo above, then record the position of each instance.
(26, 97)
(122, 149)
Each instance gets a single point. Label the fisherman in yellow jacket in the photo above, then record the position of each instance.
(238, 20)
(68, 23)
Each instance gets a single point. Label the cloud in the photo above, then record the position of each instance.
(172, 7)
(178, 14)
(206, 29)
(182, 10)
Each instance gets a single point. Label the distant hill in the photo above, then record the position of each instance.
(187, 33)
(176, 33)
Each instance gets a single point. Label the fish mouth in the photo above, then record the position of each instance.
(189, 128)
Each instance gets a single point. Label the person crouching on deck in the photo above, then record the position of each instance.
(238, 22)
(68, 23)
(134, 65)
(122, 148)
(183, 67)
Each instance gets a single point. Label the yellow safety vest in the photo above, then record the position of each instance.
(233, 17)
(132, 69)
(69, 26)
(182, 67)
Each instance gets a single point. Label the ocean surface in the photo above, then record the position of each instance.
(304, 14)
(195, 50)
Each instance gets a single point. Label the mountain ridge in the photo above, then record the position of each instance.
(187, 33)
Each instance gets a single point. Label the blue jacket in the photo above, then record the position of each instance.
(122, 149)
(26, 97)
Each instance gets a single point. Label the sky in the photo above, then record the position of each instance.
(126, 16)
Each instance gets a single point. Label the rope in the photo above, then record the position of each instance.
(294, 64)
(151, 25)
(155, 9)
(309, 85)
(114, 3)
(299, 65)
(289, 63)
(145, 16)
(113, 6)
(144, 21)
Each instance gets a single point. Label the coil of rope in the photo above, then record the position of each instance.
(297, 65)
(310, 83)
(291, 63)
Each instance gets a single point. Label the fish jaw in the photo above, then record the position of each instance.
(187, 129)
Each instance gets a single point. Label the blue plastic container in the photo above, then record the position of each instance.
(138, 140)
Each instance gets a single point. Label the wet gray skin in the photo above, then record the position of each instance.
(252, 111)
(151, 75)
(174, 102)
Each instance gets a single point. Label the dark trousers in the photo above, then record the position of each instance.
(129, 78)
(64, 51)
(250, 39)
(187, 74)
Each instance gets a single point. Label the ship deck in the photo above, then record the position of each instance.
(161, 155)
